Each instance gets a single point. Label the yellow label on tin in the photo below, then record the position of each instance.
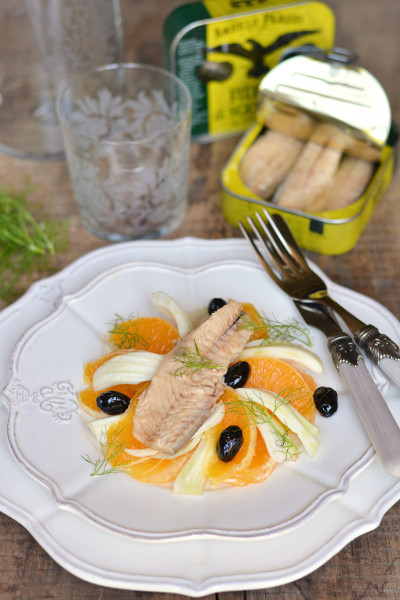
(221, 8)
(250, 45)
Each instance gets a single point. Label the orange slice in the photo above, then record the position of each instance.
(159, 471)
(309, 381)
(145, 333)
(260, 332)
(279, 377)
(260, 467)
(219, 471)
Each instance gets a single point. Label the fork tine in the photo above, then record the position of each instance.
(286, 238)
(282, 268)
(282, 257)
(257, 251)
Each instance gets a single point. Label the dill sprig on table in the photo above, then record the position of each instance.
(26, 243)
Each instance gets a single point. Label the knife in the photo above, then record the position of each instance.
(374, 413)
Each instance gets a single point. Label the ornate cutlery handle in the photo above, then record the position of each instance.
(378, 347)
(375, 415)
(382, 350)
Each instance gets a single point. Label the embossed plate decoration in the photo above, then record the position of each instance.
(106, 558)
(48, 435)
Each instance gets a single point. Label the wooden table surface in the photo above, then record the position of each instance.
(367, 568)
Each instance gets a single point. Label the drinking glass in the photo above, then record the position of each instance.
(126, 130)
(43, 45)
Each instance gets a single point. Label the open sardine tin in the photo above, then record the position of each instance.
(321, 152)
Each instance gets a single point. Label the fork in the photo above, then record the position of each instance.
(378, 421)
(292, 273)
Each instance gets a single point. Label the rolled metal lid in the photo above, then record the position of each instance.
(321, 86)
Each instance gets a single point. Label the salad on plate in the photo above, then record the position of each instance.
(215, 398)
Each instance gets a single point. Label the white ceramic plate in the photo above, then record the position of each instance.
(75, 542)
(49, 436)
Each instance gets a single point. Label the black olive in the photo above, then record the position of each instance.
(113, 403)
(229, 443)
(215, 304)
(237, 374)
(325, 399)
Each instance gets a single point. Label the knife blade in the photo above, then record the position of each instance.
(378, 421)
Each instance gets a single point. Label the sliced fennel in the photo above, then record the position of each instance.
(192, 478)
(307, 432)
(279, 444)
(293, 352)
(172, 309)
(215, 417)
(129, 368)
(99, 427)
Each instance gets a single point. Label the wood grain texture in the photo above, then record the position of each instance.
(369, 567)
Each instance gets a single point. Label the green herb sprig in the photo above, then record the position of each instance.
(274, 331)
(258, 413)
(26, 243)
(110, 450)
(192, 361)
(128, 329)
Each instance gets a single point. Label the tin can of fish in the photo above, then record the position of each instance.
(321, 153)
(222, 49)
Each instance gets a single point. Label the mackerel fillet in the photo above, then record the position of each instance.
(175, 405)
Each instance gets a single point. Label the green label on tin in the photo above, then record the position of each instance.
(190, 55)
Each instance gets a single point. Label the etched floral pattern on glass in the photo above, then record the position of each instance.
(129, 162)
